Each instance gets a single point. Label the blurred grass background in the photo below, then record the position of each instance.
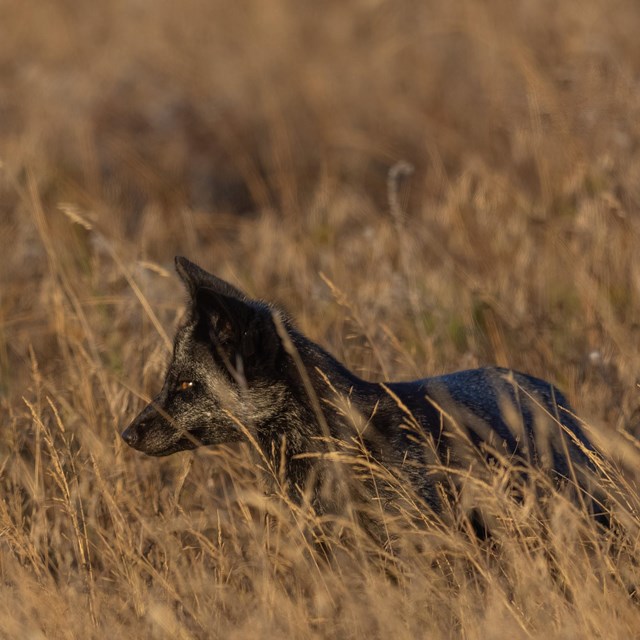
(257, 139)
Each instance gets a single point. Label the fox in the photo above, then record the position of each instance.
(242, 371)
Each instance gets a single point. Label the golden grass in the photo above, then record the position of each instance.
(257, 139)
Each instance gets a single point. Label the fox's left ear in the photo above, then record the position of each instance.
(194, 278)
(238, 328)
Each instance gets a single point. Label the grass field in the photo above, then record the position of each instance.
(259, 139)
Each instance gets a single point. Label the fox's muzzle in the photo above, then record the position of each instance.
(134, 434)
(150, 432)
(130, 435)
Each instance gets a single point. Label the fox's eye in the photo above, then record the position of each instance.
(184, 385)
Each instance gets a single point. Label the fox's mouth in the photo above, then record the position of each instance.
(183, 444)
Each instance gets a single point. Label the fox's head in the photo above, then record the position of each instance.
(228, 359)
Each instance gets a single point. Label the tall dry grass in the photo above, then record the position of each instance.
(257, 139)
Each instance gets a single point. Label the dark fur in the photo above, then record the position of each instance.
(255, 376)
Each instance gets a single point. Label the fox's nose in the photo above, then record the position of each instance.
(130, 436)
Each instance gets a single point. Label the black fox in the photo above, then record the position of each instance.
(241, 369)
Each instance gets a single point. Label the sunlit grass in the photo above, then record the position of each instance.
(258, 141)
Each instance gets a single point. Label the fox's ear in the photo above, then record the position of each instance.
(241, 332)
(238, 328)
(196, 278)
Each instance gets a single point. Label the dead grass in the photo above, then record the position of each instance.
(257, 138)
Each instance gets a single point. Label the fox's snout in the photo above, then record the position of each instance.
(156, 433)
(133, 434)
(130, 435)
(146, 428)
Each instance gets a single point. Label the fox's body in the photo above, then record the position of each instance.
(240, 369)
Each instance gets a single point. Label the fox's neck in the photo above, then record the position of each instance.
(328, 409)
(340, 400)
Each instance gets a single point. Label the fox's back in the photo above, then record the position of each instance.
(499, 409)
